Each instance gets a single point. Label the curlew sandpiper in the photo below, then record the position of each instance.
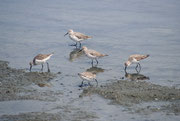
(92, 54)
(77, 37)
(87, 76)
(135, 59)
(40, 59)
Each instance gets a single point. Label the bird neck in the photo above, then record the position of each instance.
(128, 63)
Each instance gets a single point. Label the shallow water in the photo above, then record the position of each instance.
(119, 28)
(24, 106)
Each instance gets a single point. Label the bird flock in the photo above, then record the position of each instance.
(78, 37)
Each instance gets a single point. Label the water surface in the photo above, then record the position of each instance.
(119, 28)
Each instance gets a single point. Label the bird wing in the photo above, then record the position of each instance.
(88, 75)
(95, 53)
(40, 57)
(81, 36)
(138, 57)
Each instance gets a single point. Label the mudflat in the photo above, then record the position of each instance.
(129, 93)
(15, 84)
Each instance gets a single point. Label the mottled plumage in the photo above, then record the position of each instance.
(87, 76)
(40, 59)
(80, 36)
(92, 54)
(77, 36)
(135, 59)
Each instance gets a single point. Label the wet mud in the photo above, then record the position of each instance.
(15, 81)
(18, 84)
(65, 115)
(129, 93)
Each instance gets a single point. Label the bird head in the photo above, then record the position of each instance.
(126, 64)
(84, 48)
(69, 32)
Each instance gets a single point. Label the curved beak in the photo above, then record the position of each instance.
(66, 34)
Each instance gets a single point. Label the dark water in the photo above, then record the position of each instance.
(119, 28)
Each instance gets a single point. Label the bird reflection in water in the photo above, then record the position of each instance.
(136, 76)
(95, 70)
(75, 54)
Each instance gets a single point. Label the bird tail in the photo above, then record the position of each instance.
(51, 54)
(147, 55)
(105, 55)
(89, 37)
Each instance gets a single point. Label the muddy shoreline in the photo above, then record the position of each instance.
(15, 84)
(14, 81)
(129, 93)
(133, 92)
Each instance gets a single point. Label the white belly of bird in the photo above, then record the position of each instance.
(39, 62)
(74, 38)
(90, 56)
(86, 78)
(134, 61)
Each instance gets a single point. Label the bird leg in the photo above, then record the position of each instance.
(82, 83)
(125, 69)
(139, 67)
(30, 68)
(96, 82)
(136, 68)
(96, 61)
(92, 62)
(48, 66)
(79, 44)
(42, 67)
(89, 83)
